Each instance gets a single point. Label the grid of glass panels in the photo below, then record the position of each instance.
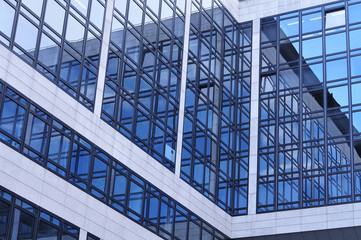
(217, 108)
(20, 219)
(35, 133)
(59, 38)
(310, 108)
(141, 95)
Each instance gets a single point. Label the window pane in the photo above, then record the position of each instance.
(97, 14)
(99, 174)
(54, 16)
(12, 118)
(47, 232)
(26, 35)
(335, 18)
(4, 218)
(336, 69)
(289, 27)
(37, 134)
(79, 166)
(119, 187)
(355, 37)
(59, 148)
(6, 18)
(339, 97)
(23, 225)
(81, 5)
(355, 66)
(135, 198)
(336, 43)
(311, 23)
(75, 33)
(49, 53)
(356, 96)
(34, 6)
(312, 48)
(354, 13)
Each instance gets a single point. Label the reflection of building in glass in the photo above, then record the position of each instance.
(141, 97)
(216, 122)
(307, 65)
(180, 119)
(64, 48)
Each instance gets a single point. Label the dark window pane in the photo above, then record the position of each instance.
(79, 166)
(47, 232)
(12, 118)
(135, 198)
(59, 148)
(37, 134)
(99, 174)
(23, 226)
(4, 218)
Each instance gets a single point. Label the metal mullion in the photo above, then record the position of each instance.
(15, 24)
(259, 124)
(40, 31)
(82, 64)
(276, 157)
(62, 44)
(350, 100)
(323, 14)
(127, 191)
(10, 216)
(90, 170)
(300, 113)
(37, 222)
(23, 133)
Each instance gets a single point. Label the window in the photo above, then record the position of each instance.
(335, 18)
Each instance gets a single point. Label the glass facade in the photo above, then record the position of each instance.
(141, 95)
(59, 38)
(20, 219)
(38, 135)
(217, 108)
(309, 139)
(309, 128)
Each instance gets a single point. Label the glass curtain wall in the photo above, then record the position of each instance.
(216, 121)
(20, 219)
(309, 129)
(59, 38)
(141, 95)
(30, 130)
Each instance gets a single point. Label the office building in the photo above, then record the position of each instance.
(180, 119)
